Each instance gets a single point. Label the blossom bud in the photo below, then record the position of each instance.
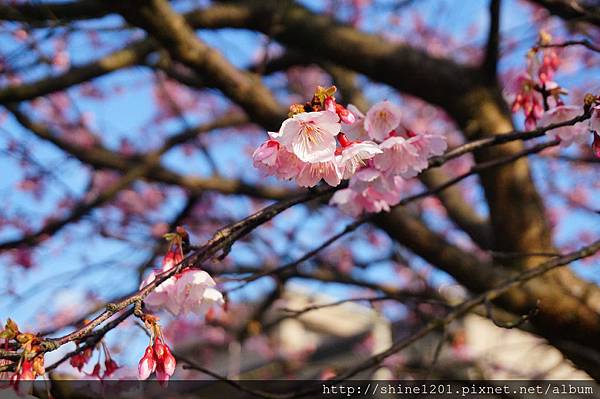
(330, 105)
(147, 364)
(96, 371)
(168, 361)
(159, 349)
(345, 115)
(80, 359)
(27, 372)
(172, 258)
(162, 377)
(110, 367)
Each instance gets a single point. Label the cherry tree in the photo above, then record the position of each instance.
(172, 169)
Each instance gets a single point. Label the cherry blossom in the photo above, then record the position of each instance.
(346, 200)
(311, 135)
(400, 156)
(193, 292)
(567, 134)
(376, 171)
(356, 131)
(159, 296)
(535, 86)
(381, 119)
(354, 154)
(370, 190)
(274, 159)
(428, 145)
(190, 291)
(312, 173)
(265, 156)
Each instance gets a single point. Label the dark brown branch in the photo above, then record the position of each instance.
(178, 38)
(48, 13)
(573, 10)
(490, 62)
(508, 325)
(585, 43)
(129, 56)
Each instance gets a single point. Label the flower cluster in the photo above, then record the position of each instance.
(576, 132)
(31, 361)
(325, 140)
(191, 291)
(535, 86)
(80, 359)
(157, 358)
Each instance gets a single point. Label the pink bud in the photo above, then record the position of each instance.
(172, 258)
(344, 142)
(96, 371)
(162, 377)
(147, 364)
(330, 104)
(345, 115)
(168, 361)
(159, 349)
(110, 367)
(27, 372)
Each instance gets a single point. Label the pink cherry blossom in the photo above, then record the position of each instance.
(160, 296)
(274, 159)
(347, 201)
(356, 131)
(288, 164)
(567, 134)
(370, 191)
(376, 186)
(312, 173)
(381, 119)
(265, 157)
(354, 155)
(193, 292)
(429, 145)
(311, 135)
(400, 157)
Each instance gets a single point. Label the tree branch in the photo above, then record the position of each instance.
(571, 10)
(490, 62)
